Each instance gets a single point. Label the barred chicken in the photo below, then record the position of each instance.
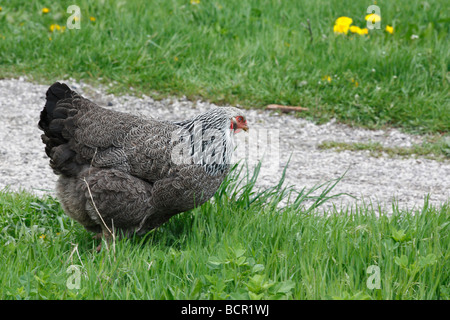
(126, 173)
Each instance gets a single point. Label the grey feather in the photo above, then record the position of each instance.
(125, 167)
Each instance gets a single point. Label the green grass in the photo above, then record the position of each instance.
(238, 246)
(433, 148)
(251, 53)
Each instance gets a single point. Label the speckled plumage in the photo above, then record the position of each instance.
(125, 164)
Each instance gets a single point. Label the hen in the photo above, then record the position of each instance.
(121, 171)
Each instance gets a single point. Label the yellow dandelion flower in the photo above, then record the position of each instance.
(45, 10)
(344, 21)
(54, 27)
(195, 1)
(92, 19)
(373, 17)
(358, 30)
(355, 29)
(42, 236)
(327, 78)
(175, 58)
(1, 9)
(340, 28)
(342, 25)
(390, 29)
(57, 27)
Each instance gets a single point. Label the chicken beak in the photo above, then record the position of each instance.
(245, 128)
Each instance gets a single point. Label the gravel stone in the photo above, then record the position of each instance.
(24, 165)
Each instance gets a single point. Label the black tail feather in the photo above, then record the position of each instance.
(57, 91)
(53, 121)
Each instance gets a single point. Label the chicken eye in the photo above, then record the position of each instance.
(240, 119)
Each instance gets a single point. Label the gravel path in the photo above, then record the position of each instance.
(24, 165)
